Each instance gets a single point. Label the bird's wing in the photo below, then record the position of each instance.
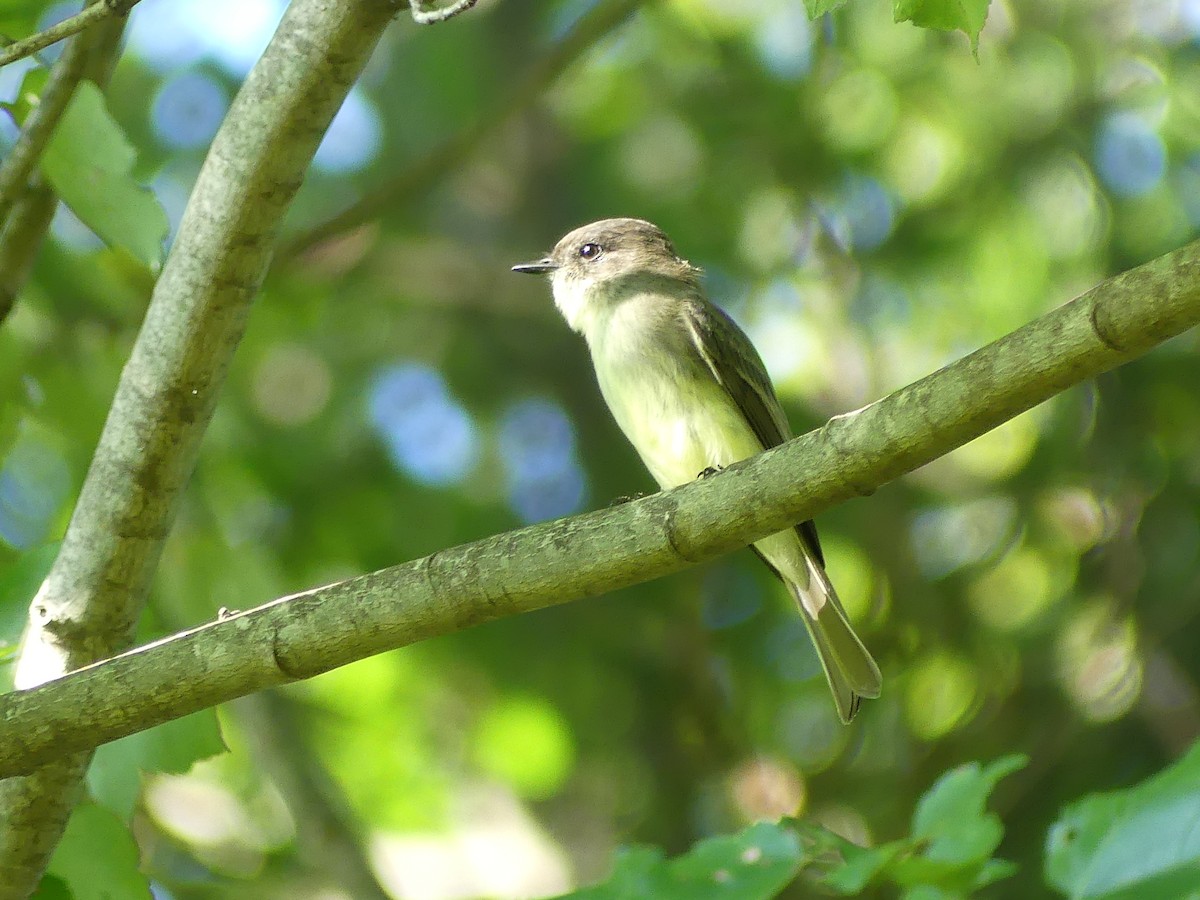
(738, 368)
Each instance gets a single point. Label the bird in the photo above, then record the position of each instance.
(690, 392)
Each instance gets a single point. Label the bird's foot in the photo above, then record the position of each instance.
(625, 498)
(711, 470)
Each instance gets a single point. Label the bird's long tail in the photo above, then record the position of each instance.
(851, 671)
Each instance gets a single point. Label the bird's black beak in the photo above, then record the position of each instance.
(541, 267)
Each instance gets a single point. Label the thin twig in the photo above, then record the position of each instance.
(64, 29)
(40, 124)
(20, 238)
(433, 16)
(22, 232)
(449, 155)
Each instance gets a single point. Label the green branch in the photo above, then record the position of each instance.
(39, 125)
(95, 591)
(543, 565)
(60, 31)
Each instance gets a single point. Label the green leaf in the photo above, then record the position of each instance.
(753, 865)
(1143, 841)
(861, 865)
(817, 8)
(114, 778)
(947, 15)
(97, 857)
(89, 163)
(951, 817)
(52, 888)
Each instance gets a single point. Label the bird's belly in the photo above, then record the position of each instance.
(680, 426)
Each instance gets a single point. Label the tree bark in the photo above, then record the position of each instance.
(551, 563)
(97, 587)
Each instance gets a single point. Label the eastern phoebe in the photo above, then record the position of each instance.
(692, 395)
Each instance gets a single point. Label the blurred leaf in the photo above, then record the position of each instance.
(18, 585)
(947, 15)
(757, 863)
(1143, 841)
(524, 741)
(97, 857)
(949, 851)
(859, 865)
(52, 888)
(27, 93)
(89, 162)
(114, 778)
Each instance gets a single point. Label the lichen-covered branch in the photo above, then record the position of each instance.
(431, 16)
(96, 589)
(551, 563)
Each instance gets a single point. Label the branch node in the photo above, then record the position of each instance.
(1102, 332)
(279, 657)
(670, 527)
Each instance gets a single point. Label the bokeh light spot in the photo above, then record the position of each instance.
(429, 435)
(234, 33)
(1001, 452)
(939, 695)
(1015, 591)
(868, 211)
(767, 788)
(730, 595)
(923, 161)
(1070, 211)
(859, 110)
(1099, 663)
(291, 385)
(538, 452)
(188, 109)
(1130, 156)
(353, 138)
(525, 742)
(784, 43)
(949, 537)
(662, 156)
(34, 482)
(851, 569)
(810, 731)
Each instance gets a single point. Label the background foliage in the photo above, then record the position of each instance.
(870, 200)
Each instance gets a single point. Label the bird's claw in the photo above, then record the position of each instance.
(711, 470)
(625, 498)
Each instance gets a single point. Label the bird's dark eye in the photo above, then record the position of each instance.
(590, 251)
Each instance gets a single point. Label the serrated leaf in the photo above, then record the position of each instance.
(114, 778)
(861, 865)
(952, 818)
(1143, 841)
(817, 8)
(753, 865)
(89, 162)
(97, 857)
(967, 16)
